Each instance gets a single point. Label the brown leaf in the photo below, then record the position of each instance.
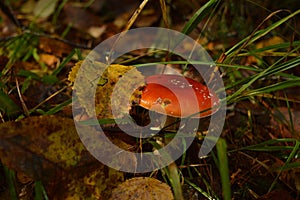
(96, 184)
(48, 148)
(142, 188)
(42, 145)
(53, 46)
(48, 59)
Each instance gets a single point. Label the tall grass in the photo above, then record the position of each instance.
(285, 56)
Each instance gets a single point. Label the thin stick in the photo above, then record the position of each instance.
(21, 99)
(127, 27)
(50, 97)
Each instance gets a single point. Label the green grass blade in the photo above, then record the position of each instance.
(40, 192)
(200, 190)
(258, 34)
(272, 70)
(266, 146)
(7, 105)
(63, 63)
(274, 87)
(58, 107)
(291, 156)
(11, 180)
(175, 181)
(223, 168)
(199, 16)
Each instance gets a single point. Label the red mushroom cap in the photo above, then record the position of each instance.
(178, 96)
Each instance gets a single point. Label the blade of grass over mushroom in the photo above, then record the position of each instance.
(199, 16)
(174, 62)
(180, 62)
(102, 121)
(257, 35)
(90, 122)
(184, 156)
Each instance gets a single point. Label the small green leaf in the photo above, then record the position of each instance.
(58, 107)
(49, 79)
(27, 73)
(26, 84)
(7, 105)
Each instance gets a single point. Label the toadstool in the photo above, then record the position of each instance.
(178, 96)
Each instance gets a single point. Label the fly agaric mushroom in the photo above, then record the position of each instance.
(174, 95)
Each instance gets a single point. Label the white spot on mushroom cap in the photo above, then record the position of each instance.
(158, 100)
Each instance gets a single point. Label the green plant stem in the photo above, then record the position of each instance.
(175, 181)
(223, 168)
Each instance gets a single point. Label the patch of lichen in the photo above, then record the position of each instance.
(128, 76)
(97, 184)
(64, 149)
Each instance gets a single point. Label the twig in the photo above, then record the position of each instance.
(21, 99)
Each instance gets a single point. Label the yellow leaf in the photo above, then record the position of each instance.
(128, 76)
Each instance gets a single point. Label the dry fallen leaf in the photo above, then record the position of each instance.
(48, 148)
(44, 8)
(142, 188)
(48, 59)
(115, 79)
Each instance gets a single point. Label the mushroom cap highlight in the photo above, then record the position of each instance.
(178, 96)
